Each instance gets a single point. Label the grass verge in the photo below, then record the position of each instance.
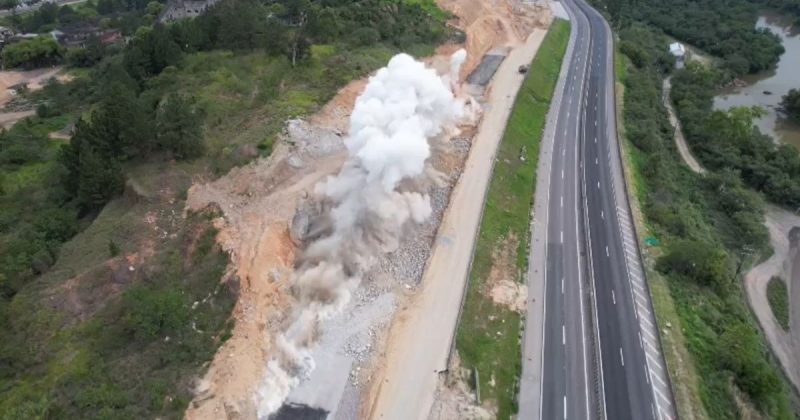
(488, 337)
(778, 298)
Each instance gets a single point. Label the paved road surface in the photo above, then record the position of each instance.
(590, 347)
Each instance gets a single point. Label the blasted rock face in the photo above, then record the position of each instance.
(298, 230)
(310, 222)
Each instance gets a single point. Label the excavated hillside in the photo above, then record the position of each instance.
(259, 201)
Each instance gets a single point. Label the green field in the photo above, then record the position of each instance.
(488, 337)
(778, 297)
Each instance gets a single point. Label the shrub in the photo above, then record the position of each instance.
(696, 260)
(151, 313)
(37, 52)
(113, 248)
(365, 36)
(744, 356)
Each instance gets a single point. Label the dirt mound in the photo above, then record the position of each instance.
(258, 202)
(494, 23)
(501, 285)
(455, 399)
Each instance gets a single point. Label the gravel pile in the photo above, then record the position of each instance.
(357, 332)
(312, 141)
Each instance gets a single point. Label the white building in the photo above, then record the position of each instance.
(679, 51)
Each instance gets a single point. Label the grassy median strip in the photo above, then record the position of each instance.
(489, 333)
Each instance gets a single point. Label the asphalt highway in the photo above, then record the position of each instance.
(583, 342)
(566, 356)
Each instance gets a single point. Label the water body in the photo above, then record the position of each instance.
(778, 81)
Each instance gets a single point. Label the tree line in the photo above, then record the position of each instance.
(723, 28)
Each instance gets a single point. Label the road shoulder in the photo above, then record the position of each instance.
(530, 389)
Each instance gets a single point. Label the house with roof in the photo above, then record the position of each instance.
(679, 52)
(183, 9)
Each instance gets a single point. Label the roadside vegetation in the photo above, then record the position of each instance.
(709, 231)
(111, 302)
(488, 336)
(778, 297)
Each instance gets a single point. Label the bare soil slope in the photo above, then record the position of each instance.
(259, 200)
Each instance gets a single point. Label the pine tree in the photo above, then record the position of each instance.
(100, 178)
(179, 126)
(121, 124)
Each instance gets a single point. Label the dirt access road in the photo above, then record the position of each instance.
(680, 141)
(784, 263)
(422, 334)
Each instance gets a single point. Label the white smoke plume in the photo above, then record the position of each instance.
(367, 206)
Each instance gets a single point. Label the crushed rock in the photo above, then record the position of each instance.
(455, 400)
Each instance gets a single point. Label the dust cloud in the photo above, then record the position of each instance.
(363, 211)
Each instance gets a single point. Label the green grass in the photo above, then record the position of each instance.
(24, 176)
(431, 8)
(778, 297)
(248, 97)
(621, 63)
(488, 334)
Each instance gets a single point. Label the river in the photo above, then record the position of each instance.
(766, 88)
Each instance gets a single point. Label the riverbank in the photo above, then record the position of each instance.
(765, 89)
